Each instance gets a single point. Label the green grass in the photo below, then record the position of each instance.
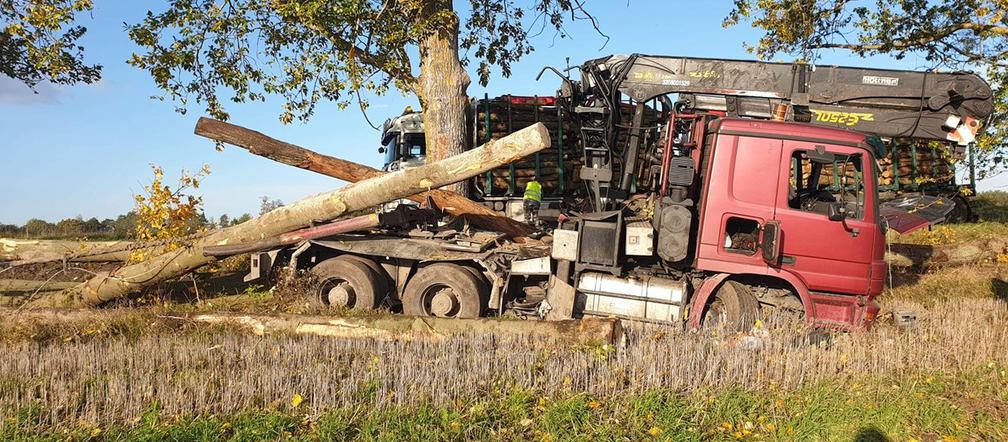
(991, 209)
(948, 285)
(970, 405)
(944, 234)
(991, 206)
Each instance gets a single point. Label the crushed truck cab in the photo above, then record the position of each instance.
(759, 219)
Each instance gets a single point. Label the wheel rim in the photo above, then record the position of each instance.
(338, 293)
(440, 300)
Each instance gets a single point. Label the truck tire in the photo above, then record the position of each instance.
(733, 307)
(483, 283)
(962, 212)
(384, 283)
(347, 282)
(445, 290)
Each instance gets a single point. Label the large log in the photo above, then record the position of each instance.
(326, 206)
(947, 255)
(297, 156)
(591, 331)
(24, 285)
(35, 250)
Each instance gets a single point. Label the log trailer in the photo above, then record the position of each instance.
(752, 188)
(403, 145)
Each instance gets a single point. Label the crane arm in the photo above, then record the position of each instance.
(884, 102)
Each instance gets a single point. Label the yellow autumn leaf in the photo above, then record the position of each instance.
(296, 400)
(654, 431)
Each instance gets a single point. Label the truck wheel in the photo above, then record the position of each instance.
(962, 212)
(445, 290)
(384, 283)
(484, 284)
(347, 282)
(733, 307)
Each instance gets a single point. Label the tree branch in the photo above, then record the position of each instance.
(400, 73)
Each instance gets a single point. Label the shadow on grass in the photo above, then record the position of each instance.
(999, 288)
(871, 434)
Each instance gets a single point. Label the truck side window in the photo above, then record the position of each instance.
(741, 235)
(817, 180)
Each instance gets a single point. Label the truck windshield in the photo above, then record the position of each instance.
(414, 146)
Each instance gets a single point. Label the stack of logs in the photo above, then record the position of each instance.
(505, 118)
(563, 156)
(931, 167)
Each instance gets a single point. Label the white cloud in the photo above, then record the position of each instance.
(16, 93)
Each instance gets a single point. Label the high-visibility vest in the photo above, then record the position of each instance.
(533, 191)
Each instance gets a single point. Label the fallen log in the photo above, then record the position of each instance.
(45, 250)
(589, 331)
(297, 156)
(24, 285)
(107, 286)
(947, 255)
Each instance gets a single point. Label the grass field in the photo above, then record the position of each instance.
(136, 376)
(140, 373)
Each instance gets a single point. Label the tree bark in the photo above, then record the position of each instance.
(949, 255)
(442, 87)
(24, 285)
(31, 250)
(297, 156)
(589, 331)
(321, 207)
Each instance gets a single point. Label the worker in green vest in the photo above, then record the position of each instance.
(532, 198)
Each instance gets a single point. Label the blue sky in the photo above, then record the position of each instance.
(85, 150)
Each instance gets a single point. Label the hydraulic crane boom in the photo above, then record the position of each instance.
(949, 107)
(886, 103)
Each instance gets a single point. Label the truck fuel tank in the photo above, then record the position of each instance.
(647, 298)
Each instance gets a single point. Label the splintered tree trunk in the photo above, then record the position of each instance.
(321, 207)
(297, 156)
(443, 84)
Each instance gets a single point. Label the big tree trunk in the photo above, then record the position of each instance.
(297, 156)
(443, 84)
(326, 206)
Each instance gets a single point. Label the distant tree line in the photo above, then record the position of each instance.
(122, 227)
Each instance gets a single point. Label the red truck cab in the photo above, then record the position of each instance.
(830, 239)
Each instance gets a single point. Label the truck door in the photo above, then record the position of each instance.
(741, 194)
(828, 255)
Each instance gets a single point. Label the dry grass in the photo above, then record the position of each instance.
(115, 379)
(918, 291)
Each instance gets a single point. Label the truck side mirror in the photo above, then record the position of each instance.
(771, 244)
(835, 211)
(382, 150)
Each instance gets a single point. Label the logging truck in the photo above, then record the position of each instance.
(714, 191)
